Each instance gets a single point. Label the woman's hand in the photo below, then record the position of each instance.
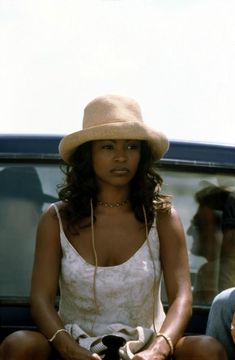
(80, 353)
(69, 349)
(233, 327)
(158, 350)
(150, 355)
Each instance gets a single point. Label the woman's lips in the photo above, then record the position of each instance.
(120, 171)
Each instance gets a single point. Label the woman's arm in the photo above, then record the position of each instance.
(233, 327)
(174, 259)
(46, 274)
(44, 289)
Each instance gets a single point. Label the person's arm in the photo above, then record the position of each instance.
(233, 327)
(227, 262)
(44, 288)
(174, 259)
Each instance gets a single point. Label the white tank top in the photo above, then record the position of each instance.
(124, 293)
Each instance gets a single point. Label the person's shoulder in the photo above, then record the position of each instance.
(50, 212)
(170, 228)
(169, 214)
(168, 221)
(49, 226)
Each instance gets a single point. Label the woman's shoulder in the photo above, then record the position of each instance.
(48, 225)
(51, 208)
(168, 220)
(167, 215)
(49, 214)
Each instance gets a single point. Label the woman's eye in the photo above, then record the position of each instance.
(107, 146)
(133, 146)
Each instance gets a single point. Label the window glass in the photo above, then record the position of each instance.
(201, 200)
(25, 190)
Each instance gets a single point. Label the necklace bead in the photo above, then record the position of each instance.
(110, 205)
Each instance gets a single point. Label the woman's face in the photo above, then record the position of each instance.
(115, 161)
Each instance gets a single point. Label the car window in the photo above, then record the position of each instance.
(25, 190)
(200, 199)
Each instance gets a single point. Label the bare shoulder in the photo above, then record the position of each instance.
(48, 222)
(170, 228)
(50, 212)
(168, 218)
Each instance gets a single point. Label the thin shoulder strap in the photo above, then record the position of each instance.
(58, 216)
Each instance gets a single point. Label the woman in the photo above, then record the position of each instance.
(107, 242)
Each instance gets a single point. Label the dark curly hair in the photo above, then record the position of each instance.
(80, 186)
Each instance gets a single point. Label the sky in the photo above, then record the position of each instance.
(175, 57)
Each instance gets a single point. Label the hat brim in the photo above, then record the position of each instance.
(120, 130)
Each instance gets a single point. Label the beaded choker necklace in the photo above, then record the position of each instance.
(110, 205)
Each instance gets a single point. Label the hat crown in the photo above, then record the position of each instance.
(113, 117)
(111, 109)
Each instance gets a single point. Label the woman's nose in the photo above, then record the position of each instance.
(120, 155)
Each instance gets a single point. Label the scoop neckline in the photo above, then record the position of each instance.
(111, 266)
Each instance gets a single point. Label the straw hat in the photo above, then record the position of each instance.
(113, 117)
(22, 182)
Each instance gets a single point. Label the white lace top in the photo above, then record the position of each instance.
(124, 293)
